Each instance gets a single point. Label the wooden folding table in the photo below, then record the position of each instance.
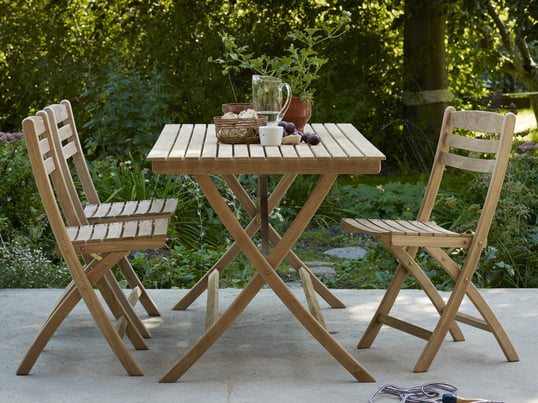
(193, 149)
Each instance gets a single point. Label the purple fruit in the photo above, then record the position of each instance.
(314, 139)
(290, 127)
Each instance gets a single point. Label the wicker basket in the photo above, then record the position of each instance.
(238, 131)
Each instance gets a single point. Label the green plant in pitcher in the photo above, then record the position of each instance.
(299, 67)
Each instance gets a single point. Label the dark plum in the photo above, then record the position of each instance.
(289, 127)
(314, 139)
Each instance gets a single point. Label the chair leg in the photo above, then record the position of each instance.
(212, 311)
(126, 308)
(82, 288)
(393, 291)
(406, 259)
(494, 325)
(384, 308)
(134, 281)
(447, 319)
(122, 310)
(61, 310)
(490, 322)
(463, 280)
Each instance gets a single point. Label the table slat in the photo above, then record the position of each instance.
(179, 147)
(196, 144)
(162, 146)
(210, 145)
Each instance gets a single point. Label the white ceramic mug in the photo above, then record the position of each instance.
(270, 135)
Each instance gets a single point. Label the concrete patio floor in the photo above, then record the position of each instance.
(266, 356)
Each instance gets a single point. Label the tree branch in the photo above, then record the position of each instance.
(505, 37)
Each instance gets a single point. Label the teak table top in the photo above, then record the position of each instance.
(194, 149)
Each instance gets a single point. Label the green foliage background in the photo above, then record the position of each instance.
(130, 66)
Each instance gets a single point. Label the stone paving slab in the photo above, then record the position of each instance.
(351, 252)
(265, 356)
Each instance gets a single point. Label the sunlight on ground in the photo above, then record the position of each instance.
(525, 120)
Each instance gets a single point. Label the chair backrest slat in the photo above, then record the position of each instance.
(49, 165)
(472, 144)
(69, 150)
(477, 121)
(482, 155)
(466, 163)
(65, 131)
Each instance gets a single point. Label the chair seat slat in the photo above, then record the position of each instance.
(115, 230)
(90, 209)
(84, 233)
(170, 206)
(129, 208)
(161, 227)
(145, 228)
(116, 209)
(130, 229)
(143, 207)
(99, 232)
(102, 210)
(157, 206)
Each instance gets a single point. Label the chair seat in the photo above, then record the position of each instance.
(119, 236)
(408, 233)
(119, 211)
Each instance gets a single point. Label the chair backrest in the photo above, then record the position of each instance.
(50, 181)
(454, 138)
(68, 146)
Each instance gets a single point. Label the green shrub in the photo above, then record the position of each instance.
(21, 211)
(394, 200)
(24, 266)
(127, 111)
(179, 267)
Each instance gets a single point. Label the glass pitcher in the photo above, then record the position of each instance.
(267, 97)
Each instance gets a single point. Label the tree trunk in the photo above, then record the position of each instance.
(425, 84)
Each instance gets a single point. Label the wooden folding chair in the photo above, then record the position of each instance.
(67, 143)
(403, 238)
(101, 247)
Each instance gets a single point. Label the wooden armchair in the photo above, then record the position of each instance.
(67, 143)
(403, 238)
(99, 246)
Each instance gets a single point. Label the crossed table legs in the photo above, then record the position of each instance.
(265, 273)
(273, 200)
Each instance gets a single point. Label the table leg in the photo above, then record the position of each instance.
(263, 210)
(245, 200)
(232, 252)
(266, 273)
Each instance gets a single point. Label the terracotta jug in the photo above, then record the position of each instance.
(299, 112)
